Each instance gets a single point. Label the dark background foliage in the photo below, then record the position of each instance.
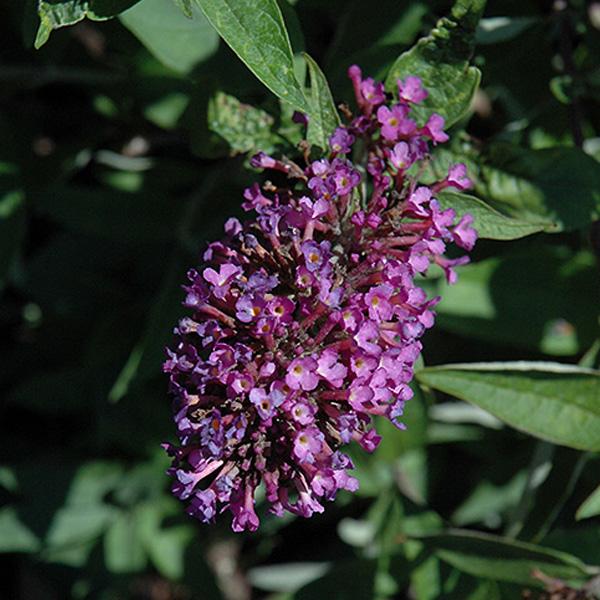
(123, 149)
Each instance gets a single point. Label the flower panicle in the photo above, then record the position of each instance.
(306, 320)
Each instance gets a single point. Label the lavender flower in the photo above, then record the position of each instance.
(306, 320)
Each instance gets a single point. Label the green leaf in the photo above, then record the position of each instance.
(590, 507)
(178, 41)
(185, 6)
(489, 503)
(14, 535)
(487, 303)
(502, 559)
(123, 547)
(489, 223)
(441, 60)
(323, 115)
(557, 186)
(60, 13)
(74, 531)
(551, 401)
(256, 33)
(244, 127)
(286, 577)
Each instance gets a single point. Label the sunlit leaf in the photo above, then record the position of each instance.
(489, 223)
(256, 32)
(441, 60)
(323, 116)
(554, 402)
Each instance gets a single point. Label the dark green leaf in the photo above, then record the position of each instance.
(441, 60)
(179, 42)
(557, 186)
(554, 402)
(489, 223)
(323, 115)
(60, 13)
(256, 32)
(487, 302)
(502, 559)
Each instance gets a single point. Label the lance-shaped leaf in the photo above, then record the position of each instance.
(502, 559)
(441, 60)
(323, 116)
(256, 32)
(552, 401)
(490, 223)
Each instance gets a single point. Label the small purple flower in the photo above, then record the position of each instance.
(464, 235)
(263, 403)
(341, 141)
(249, 307)
(434, 129)
(302, 374)
(378, 302)
(373, 92)
(315, 254)
(359, 395)
(400, 156)
(221, 281)
(307, 443)
(411, 90)
(457, 177)
(203, 506)
(367, 338)
(281, 309)
(303, 413)
(395, 122)
(330, 369)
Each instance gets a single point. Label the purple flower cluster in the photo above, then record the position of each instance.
(306, 319)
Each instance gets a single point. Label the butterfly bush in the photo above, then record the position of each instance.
(306, 319)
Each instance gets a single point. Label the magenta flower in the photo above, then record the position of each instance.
(306, 320)
(411, 90)
(395, 122)
(341, 141)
